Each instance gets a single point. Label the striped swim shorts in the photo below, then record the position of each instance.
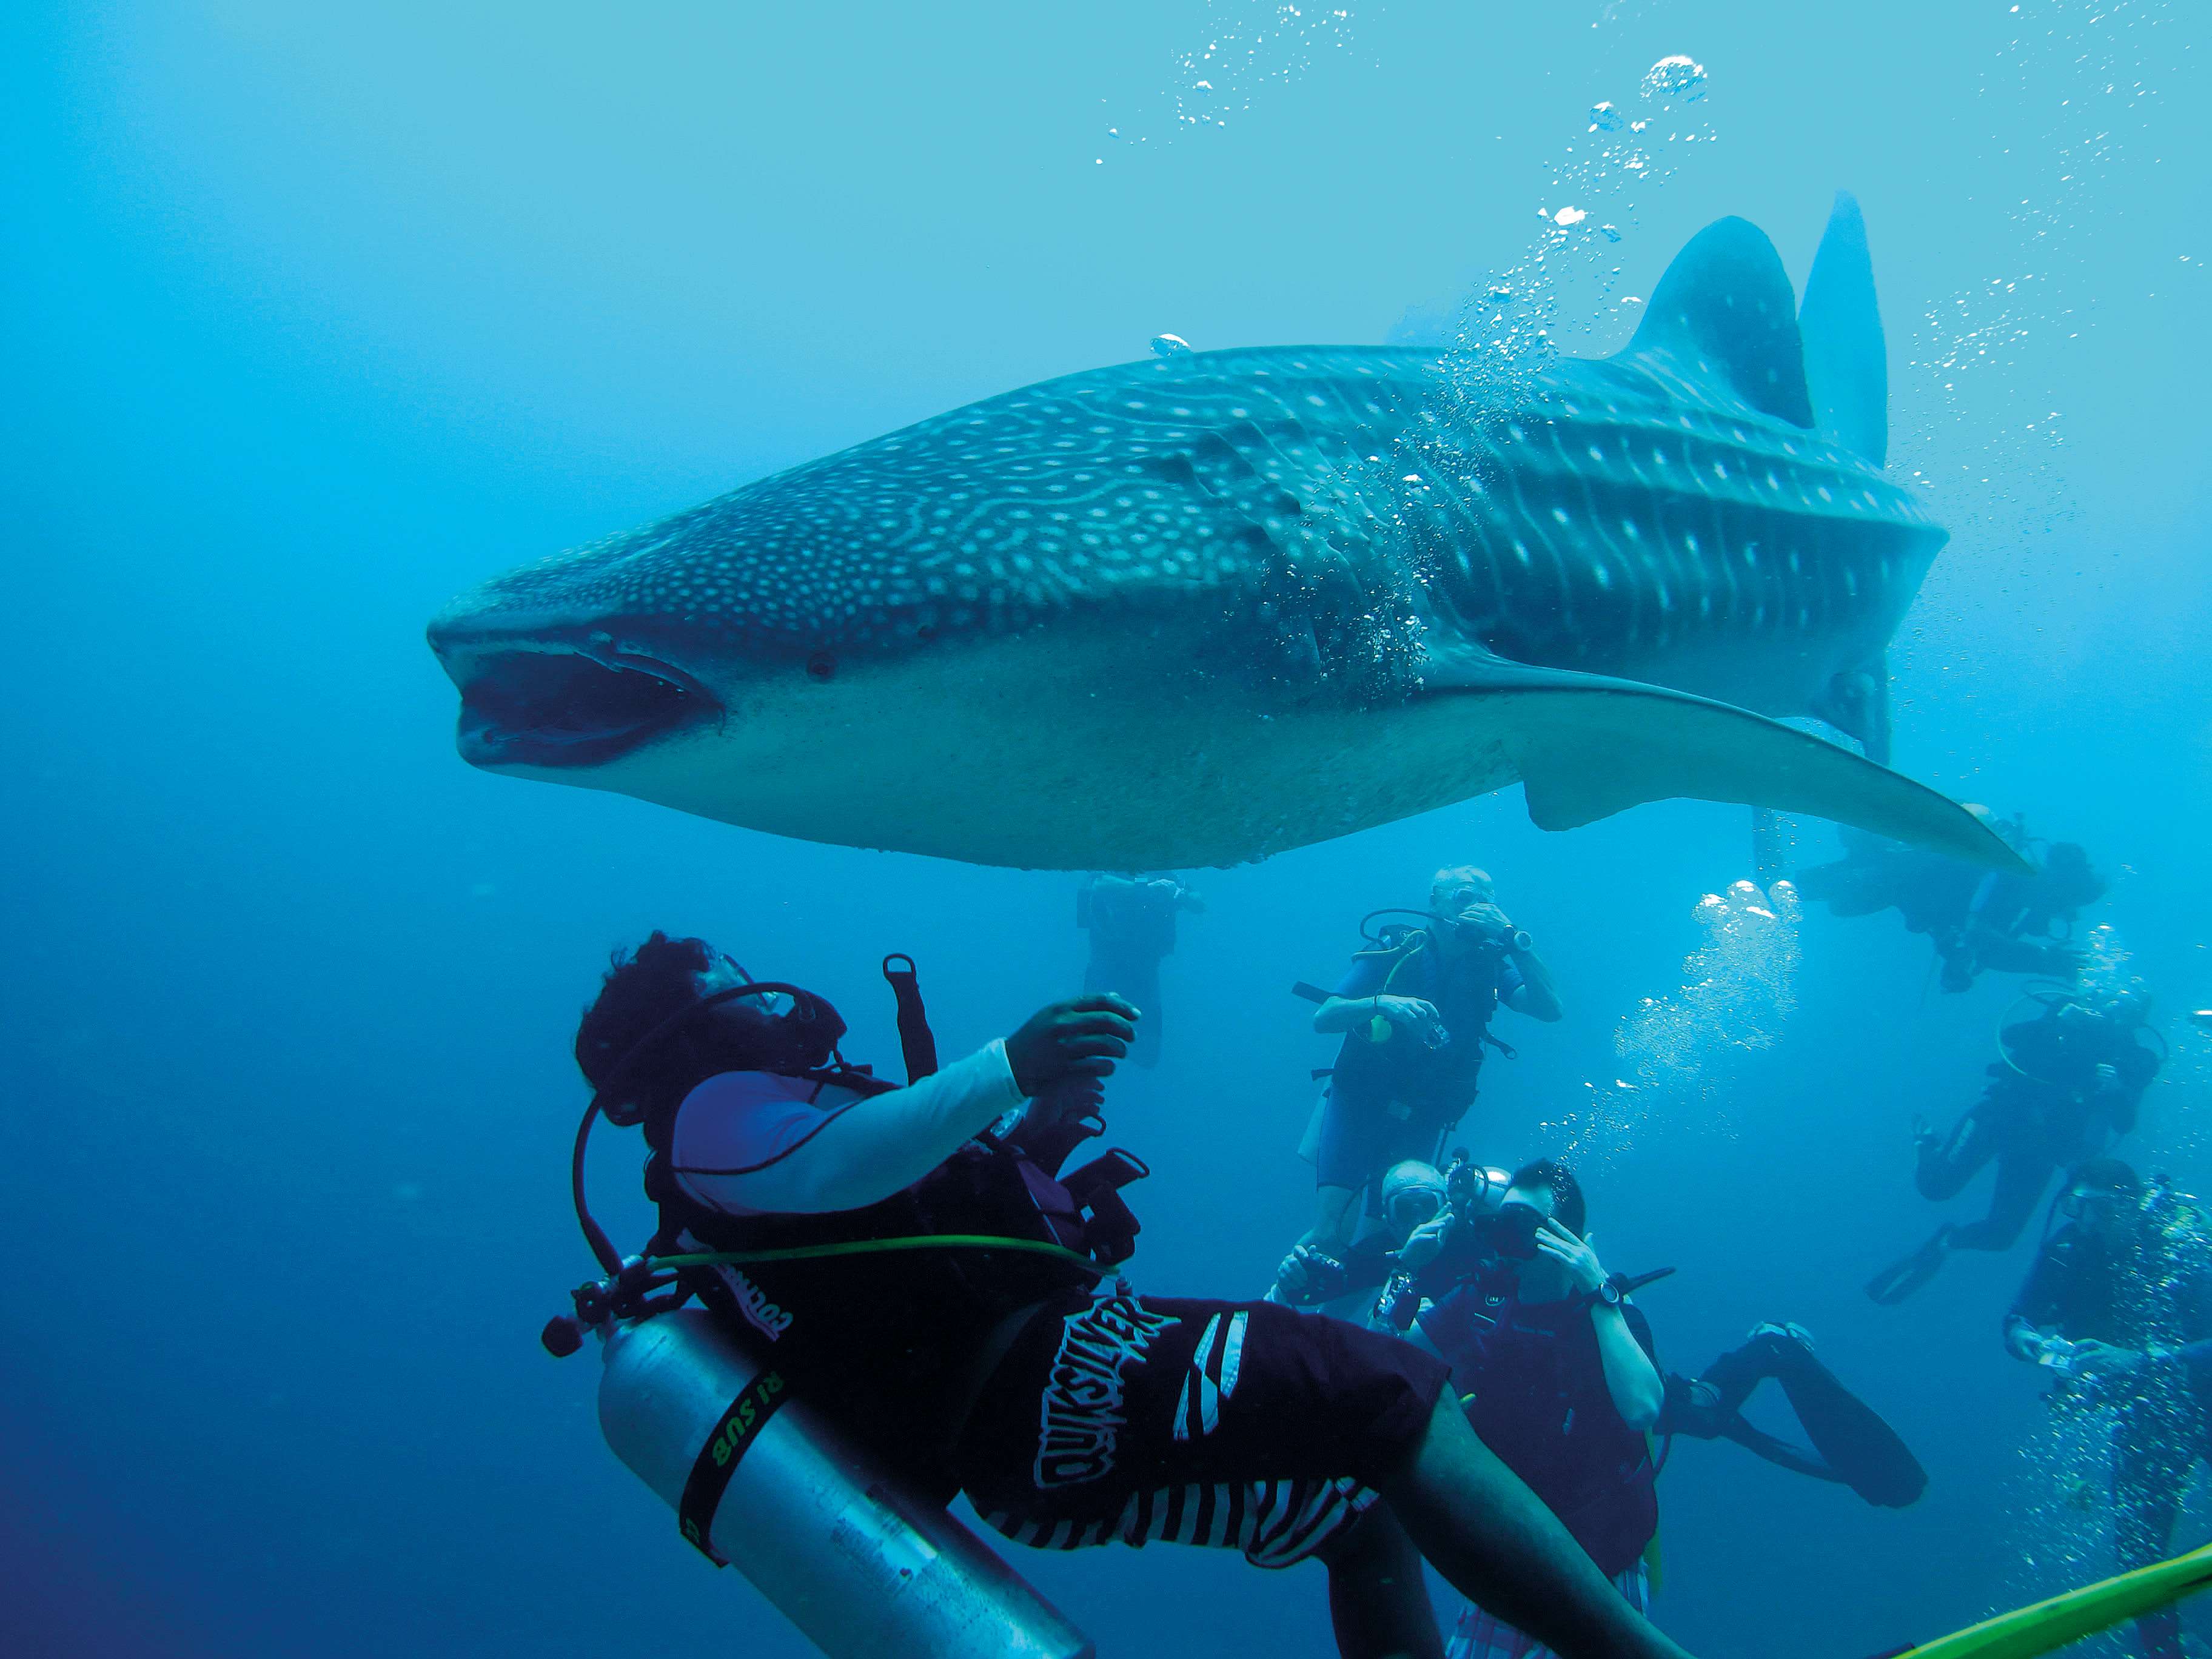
(1234, 1424)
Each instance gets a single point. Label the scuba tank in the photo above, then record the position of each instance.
(764, 1482)
(759, 1477)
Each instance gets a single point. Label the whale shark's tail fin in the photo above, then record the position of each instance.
(1724, 314)
(1846, 365)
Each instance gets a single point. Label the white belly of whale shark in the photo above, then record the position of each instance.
(1197, 611)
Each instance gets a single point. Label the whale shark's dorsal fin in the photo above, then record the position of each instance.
(1846, 365)
(1725, 311)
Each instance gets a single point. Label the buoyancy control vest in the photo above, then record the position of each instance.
(892, 1342)
(1538, 1399)
(1437, 1083)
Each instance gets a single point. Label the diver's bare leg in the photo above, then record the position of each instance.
(1335, 1216)
(1500, 1547)
(1378, 1601)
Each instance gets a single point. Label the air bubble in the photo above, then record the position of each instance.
(1677, 79)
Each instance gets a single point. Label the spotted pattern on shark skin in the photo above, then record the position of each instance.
(1611, 517)
(1159, 599)
(1636, 522)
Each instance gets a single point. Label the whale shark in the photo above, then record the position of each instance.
(1204, 608)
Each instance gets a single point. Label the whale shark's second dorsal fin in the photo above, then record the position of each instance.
(1725, 312)
(1846, 365)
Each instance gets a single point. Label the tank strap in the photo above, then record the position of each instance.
(735, 1431)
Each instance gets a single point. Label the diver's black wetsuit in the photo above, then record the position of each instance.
(2147, 1289)
(1976, 919)
(1851, 1444)
(1533, 1383)
(2045, 1108)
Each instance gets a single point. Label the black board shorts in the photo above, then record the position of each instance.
(1122, 1419)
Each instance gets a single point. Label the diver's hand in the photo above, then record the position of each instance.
(1409, 1014)
(2064, 961)
(1487, 920)
(1575, 1255)
(1081, 1036)
(1424, 1242)
(1172, 894)
(1308, 1275)
(2094, 1358)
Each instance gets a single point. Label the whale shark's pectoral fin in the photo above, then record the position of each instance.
(1586, 747)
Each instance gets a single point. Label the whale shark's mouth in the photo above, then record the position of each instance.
(552, 705)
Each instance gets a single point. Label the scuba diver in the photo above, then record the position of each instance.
(1414, 1012)
(2069, 1083)
(1432, 1236)
(1131, 920)
(1853, 1446)
(1556, 1371)
(918, 1265)
(1978, 920)
(1436, 1236)
(2118, 1307)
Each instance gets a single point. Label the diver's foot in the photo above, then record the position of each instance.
(1901, 1279)
(1789, 1332)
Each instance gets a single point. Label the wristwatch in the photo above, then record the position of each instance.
(1608, 1293)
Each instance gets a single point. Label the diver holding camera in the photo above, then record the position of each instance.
(1414, 1012)
(1557, 1373)
(1433, 1234)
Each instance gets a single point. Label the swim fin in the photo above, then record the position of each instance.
(1900, 1278)
(2039, 1629)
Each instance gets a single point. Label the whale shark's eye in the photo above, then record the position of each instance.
(821, 666)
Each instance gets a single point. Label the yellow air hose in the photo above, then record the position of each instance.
(2068, 1617)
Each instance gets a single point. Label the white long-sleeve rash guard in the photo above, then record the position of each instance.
(753, 1143)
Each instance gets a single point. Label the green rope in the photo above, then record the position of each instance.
(880, 1246)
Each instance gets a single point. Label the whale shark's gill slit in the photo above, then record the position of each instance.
(563, 708)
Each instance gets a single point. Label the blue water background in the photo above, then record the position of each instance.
(311, 316)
